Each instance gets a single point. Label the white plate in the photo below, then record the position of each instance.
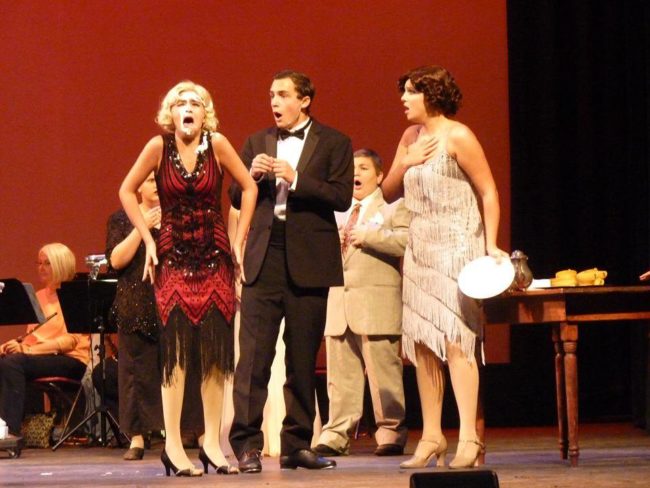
(540, 284)
(485, 278)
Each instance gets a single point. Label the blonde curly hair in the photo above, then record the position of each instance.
(164, 116)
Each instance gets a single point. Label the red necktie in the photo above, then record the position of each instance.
(352, 221)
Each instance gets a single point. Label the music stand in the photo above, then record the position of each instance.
(18, 304)
(85, 305)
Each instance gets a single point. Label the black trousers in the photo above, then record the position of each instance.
(263, 305)
(139, 384)
(18, 369)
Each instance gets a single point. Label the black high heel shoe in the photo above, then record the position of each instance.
(225, 469)
(169, 466)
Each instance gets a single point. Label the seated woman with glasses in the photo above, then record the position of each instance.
(48, 351)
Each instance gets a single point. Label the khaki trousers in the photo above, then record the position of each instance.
(348, 356)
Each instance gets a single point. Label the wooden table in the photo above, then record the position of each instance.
(565, 309)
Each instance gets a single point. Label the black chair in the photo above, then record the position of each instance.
(64, 394)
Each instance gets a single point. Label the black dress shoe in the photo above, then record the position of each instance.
(251, 461)
(389, 450)
(325, 450)
(305, 458)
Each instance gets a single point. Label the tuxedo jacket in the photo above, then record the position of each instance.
(370, 302)
(325, 180)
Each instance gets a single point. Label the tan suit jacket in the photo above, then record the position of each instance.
(370, 302)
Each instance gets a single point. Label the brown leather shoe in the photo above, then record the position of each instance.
(389, 450)
(306, 458)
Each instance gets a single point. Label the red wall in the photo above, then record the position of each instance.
(80, 83)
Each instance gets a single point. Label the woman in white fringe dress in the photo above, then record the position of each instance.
(442, 172)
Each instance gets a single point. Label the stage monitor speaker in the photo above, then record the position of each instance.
(476, 478)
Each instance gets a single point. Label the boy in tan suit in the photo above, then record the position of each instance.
(364, 317)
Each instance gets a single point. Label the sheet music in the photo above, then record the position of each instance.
(34, 301)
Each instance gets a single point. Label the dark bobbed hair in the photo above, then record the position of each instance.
(441, 93)
(301, 81)
(373, 156)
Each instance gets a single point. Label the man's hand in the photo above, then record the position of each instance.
(358, 236)
(282, 169)
(262, 164)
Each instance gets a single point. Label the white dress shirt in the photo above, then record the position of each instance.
(342, 217)
(289, 150)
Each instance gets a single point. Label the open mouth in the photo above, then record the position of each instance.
(277, 115)
(357, 183)
(188, 120)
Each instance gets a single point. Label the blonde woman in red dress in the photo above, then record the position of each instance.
(192, 264)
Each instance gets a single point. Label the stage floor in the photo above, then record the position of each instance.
(612, 455)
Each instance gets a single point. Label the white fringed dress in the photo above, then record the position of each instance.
(446, 233)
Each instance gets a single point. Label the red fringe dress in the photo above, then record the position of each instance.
(194, 285)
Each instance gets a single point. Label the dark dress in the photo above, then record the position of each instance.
(134, 313)
(194, 283)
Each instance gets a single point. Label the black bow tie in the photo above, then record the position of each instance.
(300, 133)
(284, 133)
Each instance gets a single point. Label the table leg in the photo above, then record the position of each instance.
(569, 338)
(560, 398)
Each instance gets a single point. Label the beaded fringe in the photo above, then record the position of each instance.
(436, 326)
(446, 233)
(197, 349)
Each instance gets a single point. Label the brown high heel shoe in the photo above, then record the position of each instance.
(425, 452)
(467, 454)
(133, 454)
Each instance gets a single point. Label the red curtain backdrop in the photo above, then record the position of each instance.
(81, 80)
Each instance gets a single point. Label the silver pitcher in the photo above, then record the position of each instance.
(523, 274)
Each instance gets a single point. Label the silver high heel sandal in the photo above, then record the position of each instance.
(425, 453)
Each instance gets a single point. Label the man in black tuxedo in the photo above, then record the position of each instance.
(304, 171)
